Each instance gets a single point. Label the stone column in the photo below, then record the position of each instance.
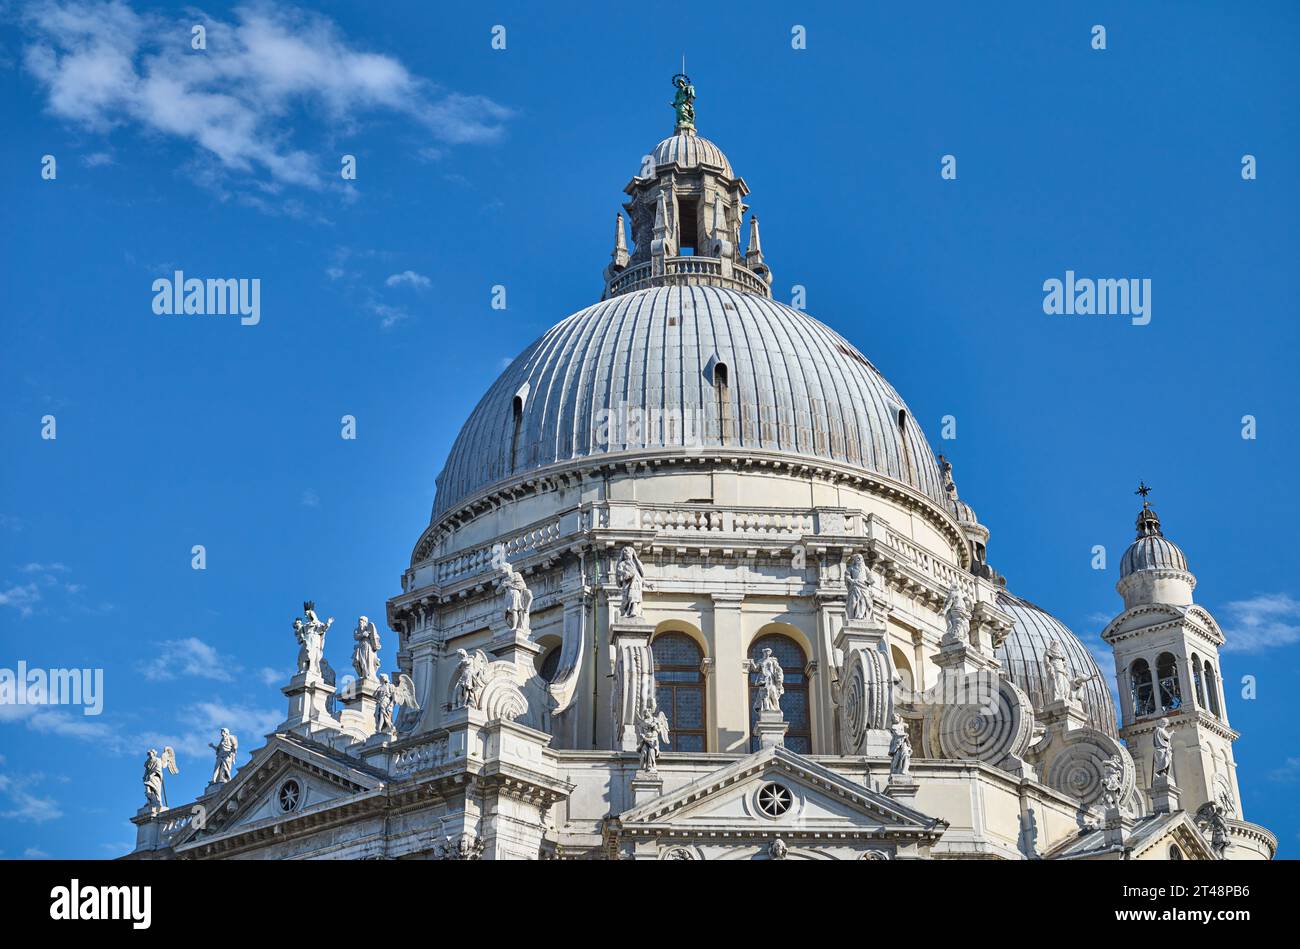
(634, 677)
(728, 690)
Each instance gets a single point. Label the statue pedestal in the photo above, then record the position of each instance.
(514, 645)
(902, 788)
(358, 714)
(646, 786)
(1164, 795)
(958, 658)
(770, 729)
(1116, 826)
(634, 679)
(212, 788)
(309, 696)
(1062, 714)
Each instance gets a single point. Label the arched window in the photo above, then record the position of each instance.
(1212, 690)
(1144, 700)
(550, 664)
(1171, 693)
(518, 410)
(721, 393)
(680, 689)
(1174, 852)
(794, 703)
(909, 469)
(1197, 685)
(904, 669)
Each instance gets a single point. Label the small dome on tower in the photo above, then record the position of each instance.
(689, 150)
(1151, 550)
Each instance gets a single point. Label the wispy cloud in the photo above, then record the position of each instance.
(190, 656)
(310, 498)
(389, 316)
(23, 805)
(409, 278)
(22, 597)
(103, 65)
(1261, 622)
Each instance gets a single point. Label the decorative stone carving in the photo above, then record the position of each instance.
(860, 582)
(777, 850)
(1210, 821)
(388, 696)
(310, 632)
(518, 598)
(900, 747)
(634, 681)
(1112, 781)
(1082, 761)
(465, 847)
(1162, 754)
(471, 676)
(629, 573)
(865, 685)
(1061, 686)
(984, 717)
(770, 679)
(365, 654)
(226, 749)
(956, 613)
(652, 730)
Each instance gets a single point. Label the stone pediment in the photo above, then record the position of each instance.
(777, 793)
(1150, 838)
(289, 778)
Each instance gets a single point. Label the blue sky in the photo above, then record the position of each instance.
(479, 167)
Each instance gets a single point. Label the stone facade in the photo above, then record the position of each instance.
(611, 713)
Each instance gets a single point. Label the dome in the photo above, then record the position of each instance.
(1023, 655)
(690, 151)
(702, 355)
(1151, 550)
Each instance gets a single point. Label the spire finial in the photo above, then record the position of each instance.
(1144, 491)
(1148, 522)
(684, 101)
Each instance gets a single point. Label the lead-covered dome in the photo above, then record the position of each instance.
(1151, 550)
(1023, 655)
(689, 150)
(718, 368)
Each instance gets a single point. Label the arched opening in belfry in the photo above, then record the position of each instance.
(1141, 688)
(1171, 693)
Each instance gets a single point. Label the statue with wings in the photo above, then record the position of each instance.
(365, 655)
(155, 790)
(470, 679)
(388, 696)
(652, 731)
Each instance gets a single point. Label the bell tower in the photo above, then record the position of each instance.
(1167, 668)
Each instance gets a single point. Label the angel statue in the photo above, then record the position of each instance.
(389, 695)
(365, 654)
(860, 580)
(155, 790)
(1111, 781)
(900, 746)
(519, 599)
(771, 682)
(651, 730)
(630, 575)
(470, 678)
(311, 638)
(227, 748)
(956, 613)
(1061, 686)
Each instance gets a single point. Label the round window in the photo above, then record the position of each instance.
(774, 799)
(290, 795)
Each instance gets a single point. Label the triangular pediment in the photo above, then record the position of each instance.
(809, 799)
(1152, 837)
(287, 779)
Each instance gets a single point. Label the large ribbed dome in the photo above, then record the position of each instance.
(760, 375)
(690, 151)
(1023, 655)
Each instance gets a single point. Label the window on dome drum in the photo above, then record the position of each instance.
(794, 703)
(680, 689)
(1212, 690)
(1171, 694)
(550, 665)
(1144, 700)
(688, 225)
(909, 468)
(722, 395)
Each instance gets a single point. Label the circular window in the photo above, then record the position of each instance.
(289, 796)
(774, 799)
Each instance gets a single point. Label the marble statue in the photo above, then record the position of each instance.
(956, 613)
(630, 576)
(1061, 686)
(900, 747)
(771, 682)
(388, 696)
(365, 654)
(1162, 756)
(777, 849)
(470, 678)
(227, 748)
(1112, 781)
(652, 730)
(155, 790)
(1210, 820)
(860, 581)
(519, 599)
(311, 638)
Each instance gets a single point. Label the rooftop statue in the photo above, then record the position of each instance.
(519, 599)
(630, 576)
(471, 676)
(311, 638)
(956, 613)
(388, 696)
(365, 655)
(1162, 757)
(900, 746)
(227, 748)
(860, 581)
(684, 102)
(652, 730)
(1061, 686)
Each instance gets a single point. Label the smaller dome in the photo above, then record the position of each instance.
(1152, 550)
(964, 513)
(690, 151)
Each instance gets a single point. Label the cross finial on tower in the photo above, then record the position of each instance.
(1143, 490)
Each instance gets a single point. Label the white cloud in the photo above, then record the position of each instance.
(310, 498)
(97, 159)
(21, 597)
(389, 316)
(35, 853)
(268, 676)
(187, 657)
(102, 65)
(202, 722)
(1261, 622)
(24, 805)
(419, 281)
